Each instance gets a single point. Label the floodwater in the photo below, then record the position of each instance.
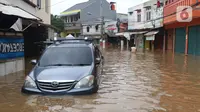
(142, 82)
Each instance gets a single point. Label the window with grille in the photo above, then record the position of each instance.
(139, 17)
(39, 4)
(148, 14)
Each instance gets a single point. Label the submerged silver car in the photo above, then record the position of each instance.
(66, 67)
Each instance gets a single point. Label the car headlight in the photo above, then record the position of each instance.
(85, 82)
(29, 83)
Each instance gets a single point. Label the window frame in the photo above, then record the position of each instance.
(139, 16)
(148, 14)
(39, 4)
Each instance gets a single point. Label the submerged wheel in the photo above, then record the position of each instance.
(96, 89)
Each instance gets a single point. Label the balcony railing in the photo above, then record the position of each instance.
(72, 26)
(171, 7)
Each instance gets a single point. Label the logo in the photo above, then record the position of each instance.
(55, 84)
(184, 14)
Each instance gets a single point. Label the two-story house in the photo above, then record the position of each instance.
(79, 17)
(182, 33)
(23, 22)
(145, 22)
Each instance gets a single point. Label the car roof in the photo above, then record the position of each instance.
(73, 43)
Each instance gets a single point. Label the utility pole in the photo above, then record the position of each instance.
(102, 18)
(102, 23)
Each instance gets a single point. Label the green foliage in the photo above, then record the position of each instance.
(57, 22)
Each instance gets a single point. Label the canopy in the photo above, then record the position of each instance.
(139, 32)
(151, 33)
(16, 11)
(69, 13)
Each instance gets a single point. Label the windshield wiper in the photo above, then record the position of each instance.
(60, 65)
(81, 64)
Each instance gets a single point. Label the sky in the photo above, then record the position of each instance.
(57, 6)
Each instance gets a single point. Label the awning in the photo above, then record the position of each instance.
(119, 34)
(141, 32)
(16, 11)
(151, 33)
(69, 13)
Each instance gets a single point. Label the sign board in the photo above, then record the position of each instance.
(11, 48)
(111, 27)
(127, 35)
(151, 37)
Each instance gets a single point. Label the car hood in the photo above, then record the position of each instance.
(61, 73)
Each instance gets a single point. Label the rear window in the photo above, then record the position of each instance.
(66, 55)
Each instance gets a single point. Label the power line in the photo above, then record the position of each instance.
(58, 3)
(55, 4)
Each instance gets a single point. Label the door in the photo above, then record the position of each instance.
(198, 41)
(180, 40)
(194, 40)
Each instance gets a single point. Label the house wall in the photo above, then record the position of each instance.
(12, 59)
(41, 13)
(92, 30)
(156, 14)
(132, 18)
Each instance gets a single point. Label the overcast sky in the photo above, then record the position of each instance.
(57, 6)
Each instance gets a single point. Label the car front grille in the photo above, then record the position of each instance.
(61, 86)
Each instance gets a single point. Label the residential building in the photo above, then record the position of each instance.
(38, 8)
(182, 34)
(145, 22)
(82, 16)
(23, 22)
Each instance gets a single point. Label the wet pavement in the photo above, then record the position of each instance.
(142, 82)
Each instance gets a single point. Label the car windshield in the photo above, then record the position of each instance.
(67, 56)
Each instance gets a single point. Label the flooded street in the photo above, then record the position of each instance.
(142, 82)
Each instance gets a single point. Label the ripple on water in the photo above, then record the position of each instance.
(142, 82)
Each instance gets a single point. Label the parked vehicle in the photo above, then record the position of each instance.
(66, 67)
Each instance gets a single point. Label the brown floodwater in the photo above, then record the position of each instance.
(142, 82)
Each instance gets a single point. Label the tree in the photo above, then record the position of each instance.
(57, 22)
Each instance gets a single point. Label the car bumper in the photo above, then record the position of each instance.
(69, 92)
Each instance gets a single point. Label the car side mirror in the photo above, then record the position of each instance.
(98, 60)
(33, 62)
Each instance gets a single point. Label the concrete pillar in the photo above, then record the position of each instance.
(127, 44)
(152, 45)
(186, 41)
(122, 44)
(104, 44)
(164, 42)
(174, 30)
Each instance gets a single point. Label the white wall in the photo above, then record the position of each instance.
(41, 13)
(132, 18)
(12, 66)
(155, 14)
(92, 30)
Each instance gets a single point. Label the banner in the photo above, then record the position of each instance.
(11, 48)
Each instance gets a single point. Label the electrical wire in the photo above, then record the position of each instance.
(55, 4)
